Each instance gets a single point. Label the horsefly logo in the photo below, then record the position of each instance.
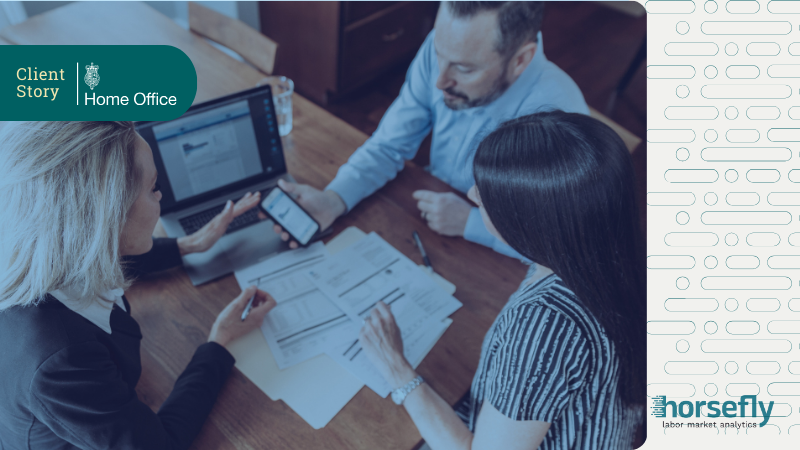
(92, 78)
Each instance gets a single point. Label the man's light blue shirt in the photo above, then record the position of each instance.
(420, 108)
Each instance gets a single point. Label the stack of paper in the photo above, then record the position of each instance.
(322, 301)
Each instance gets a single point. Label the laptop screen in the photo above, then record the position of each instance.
(216, 147)
(209, 150)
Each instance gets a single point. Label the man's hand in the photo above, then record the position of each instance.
(324, 206)
(204, 238)
(446, 213)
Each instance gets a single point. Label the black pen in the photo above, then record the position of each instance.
(248, 307)
(425, 258)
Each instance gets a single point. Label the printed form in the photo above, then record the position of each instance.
(305, 322)
(367, 272)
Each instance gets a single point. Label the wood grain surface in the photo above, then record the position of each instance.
(176, 317)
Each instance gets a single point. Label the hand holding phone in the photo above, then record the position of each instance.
(295, 220)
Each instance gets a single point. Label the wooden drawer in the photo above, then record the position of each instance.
(355, 11)
(371, 47)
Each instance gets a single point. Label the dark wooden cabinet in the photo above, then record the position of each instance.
(331, 48)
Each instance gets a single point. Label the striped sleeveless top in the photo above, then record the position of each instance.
(546, 358)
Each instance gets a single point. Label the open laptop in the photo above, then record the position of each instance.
(218, 151)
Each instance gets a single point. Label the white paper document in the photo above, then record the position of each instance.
(351, 356)
(305, 322)
(370, 271)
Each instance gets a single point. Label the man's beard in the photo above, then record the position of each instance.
(498, 87)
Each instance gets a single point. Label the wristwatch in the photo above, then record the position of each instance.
(400, 394)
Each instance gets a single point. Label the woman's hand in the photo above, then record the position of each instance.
(383, 344)
(229, 325)
(204, 238)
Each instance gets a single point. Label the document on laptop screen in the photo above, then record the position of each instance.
(208, 150)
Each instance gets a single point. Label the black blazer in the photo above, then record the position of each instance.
(66, 384)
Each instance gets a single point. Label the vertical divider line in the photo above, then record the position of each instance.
(76, 85)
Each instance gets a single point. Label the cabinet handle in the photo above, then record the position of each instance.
(393, 36)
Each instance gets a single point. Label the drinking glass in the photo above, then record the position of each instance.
(282, 89)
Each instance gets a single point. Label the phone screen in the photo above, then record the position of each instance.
(290, 216)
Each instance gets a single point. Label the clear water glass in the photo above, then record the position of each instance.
(282, 90)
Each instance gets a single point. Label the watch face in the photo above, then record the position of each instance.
(396, 397)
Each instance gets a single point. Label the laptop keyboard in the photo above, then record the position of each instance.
(194, 222)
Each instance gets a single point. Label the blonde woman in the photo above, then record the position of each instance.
(79, 204)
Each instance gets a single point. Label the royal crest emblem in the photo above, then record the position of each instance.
(92, 78)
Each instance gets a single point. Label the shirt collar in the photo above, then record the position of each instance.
(98, 311)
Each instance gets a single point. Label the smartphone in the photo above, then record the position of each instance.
(288, 214)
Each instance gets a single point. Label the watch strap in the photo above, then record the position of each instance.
(400, 394)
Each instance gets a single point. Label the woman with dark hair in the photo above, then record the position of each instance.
(563, 365)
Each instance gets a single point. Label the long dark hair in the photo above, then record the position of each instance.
(559, 188)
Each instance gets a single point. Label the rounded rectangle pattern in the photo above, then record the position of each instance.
(666, 136)
(784, 134)
(763, 304)
(742, 6)
(783, 71)
(746, 28)
(691, 367)
(669, 7)
(763, 112)
(746, 91)
(763, 239)
(742, 262)
(784, 198)
(794, 367)
(691, 239)
(739, 389)
(784, 262)
(670, 262)
(742, 327)
(671, 72)
(742, 136)
(746, 154)
(794, 176)
(691, 49)
(691, 175)
(691, 112)
(671, 390)
(681, 327)
(763, 367)
(794, 304)
(763, 175)
(784, 327)
(746, 346)
(783, 7)
(745, 72)
(746, 283)
(782, 388)
(670, 198)
(742, 198)
(746, 218)
(691, 304)
(763, 49)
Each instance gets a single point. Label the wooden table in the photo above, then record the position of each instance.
(176, 317)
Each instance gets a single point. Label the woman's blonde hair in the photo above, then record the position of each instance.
(65, 192)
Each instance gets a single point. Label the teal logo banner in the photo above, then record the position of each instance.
(95, 82)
